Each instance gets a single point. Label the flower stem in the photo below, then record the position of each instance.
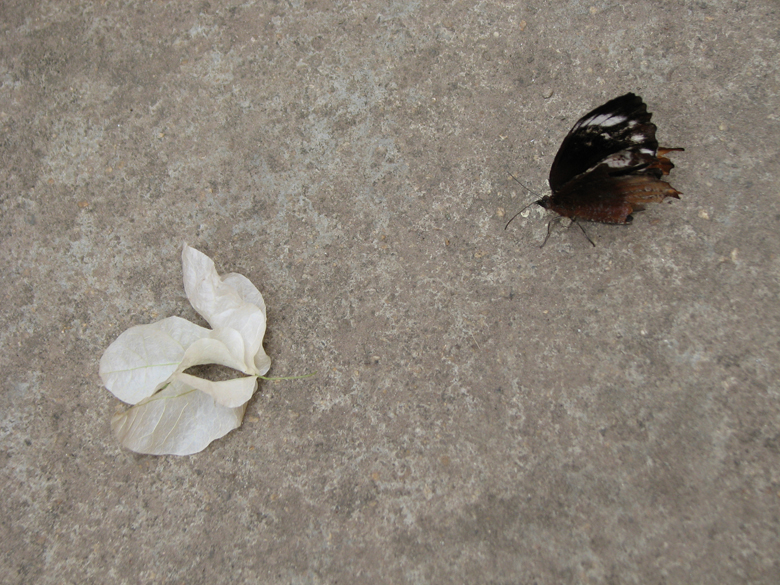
(288, 377)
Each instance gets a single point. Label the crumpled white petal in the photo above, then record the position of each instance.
(228, 302)
(175, 412)
(225, 347)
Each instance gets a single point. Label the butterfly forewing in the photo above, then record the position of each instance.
(618, 134)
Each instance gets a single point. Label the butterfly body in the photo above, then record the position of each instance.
(610, 165)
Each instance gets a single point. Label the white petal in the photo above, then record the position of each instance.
(144, 356)
(232, 302)
(210, 297)
(262, 362)
(230, 393)
(224, 347)
(251, 325)
(179, 420)
(246, 290)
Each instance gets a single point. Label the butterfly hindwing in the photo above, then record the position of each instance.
(599, 196)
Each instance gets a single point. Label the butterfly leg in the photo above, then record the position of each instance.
(549, 228)
(584, 232)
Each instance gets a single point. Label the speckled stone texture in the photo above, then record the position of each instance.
(484, 411)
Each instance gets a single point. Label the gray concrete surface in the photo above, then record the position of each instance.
(485, 411)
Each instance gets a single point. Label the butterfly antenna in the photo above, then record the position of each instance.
(524, 208)
(518, 213)
(524, 185)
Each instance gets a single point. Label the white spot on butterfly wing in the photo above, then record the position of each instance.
(626, 158)
(618, 160)
(605, 120)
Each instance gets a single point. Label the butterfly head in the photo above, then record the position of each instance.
(544, 202)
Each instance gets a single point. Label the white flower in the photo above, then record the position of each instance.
(176, 413)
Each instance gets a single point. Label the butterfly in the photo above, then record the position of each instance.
(609, 166)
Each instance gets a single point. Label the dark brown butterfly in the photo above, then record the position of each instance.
(609, 165)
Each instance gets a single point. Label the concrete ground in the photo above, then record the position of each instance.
(484, 411)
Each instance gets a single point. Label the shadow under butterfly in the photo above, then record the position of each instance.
(608, 166)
